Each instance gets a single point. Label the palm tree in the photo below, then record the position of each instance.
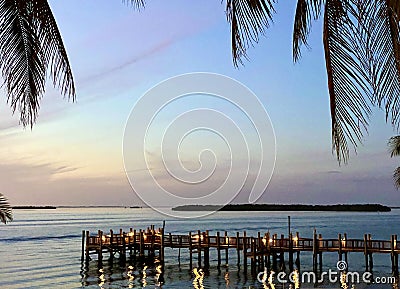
(394, 149)
(5, 210)
(361, 41)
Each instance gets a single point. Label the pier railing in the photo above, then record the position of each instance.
(259, 249)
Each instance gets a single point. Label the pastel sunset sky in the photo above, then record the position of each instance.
(73, 155)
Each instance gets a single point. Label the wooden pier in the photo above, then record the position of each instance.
(265, 250)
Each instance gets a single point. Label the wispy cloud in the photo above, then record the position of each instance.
(159, 47)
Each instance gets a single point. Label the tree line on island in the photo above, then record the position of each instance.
(283, 208)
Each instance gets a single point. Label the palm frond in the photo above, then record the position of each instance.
(29, 43)
(52, 49)
(22, 67)
(348, 82)
(394, 146)
(137, 4)
(306, 11)
(5, 210)
(248, 19)
(396, 178)
(379, 33)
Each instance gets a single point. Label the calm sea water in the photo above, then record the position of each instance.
(42, 248)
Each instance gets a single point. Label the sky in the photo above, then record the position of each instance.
(74, 153)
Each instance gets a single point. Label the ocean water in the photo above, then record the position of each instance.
(42, 248)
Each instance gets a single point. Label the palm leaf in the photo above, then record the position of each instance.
(29, 43)
(396, 178)
(22, 67)
(394, 146)
(137, 4)
(248, 19)
(379, 35)
(5, 210)
(348, 82)
(306, 10)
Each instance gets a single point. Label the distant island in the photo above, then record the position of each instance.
(69, 207)
(34, 208)
(283, 208)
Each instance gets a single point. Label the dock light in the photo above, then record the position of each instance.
(202, 237)
(270, 240)
(295, 239)
(395, 244)
(264, 241)
(144, 237)
(131, 234)
(103, 238)
(343, 242)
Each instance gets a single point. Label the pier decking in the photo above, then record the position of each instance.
(259, 249)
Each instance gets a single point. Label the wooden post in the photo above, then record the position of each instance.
(161, 250)
(238, 247)
(179, 249)
(253, 257)
(111, 250)
(371, 260)
(130, 241)
(122, 252)
(320, 241)
(100, 252)
(134, 243)
(244, 251)
(218, 250)
(345, 251)
(366, 252)
(87, 246)
(268, 257)
(83, 246)
(396, 256)
(141, 244)
(298, 253)
(199, 248)
(274, 254)
(291, 267)
(190, 251)
(152, 236)
(207, 251)
(260, 250)
(315, 251)
(282, 255)
(227, 248)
